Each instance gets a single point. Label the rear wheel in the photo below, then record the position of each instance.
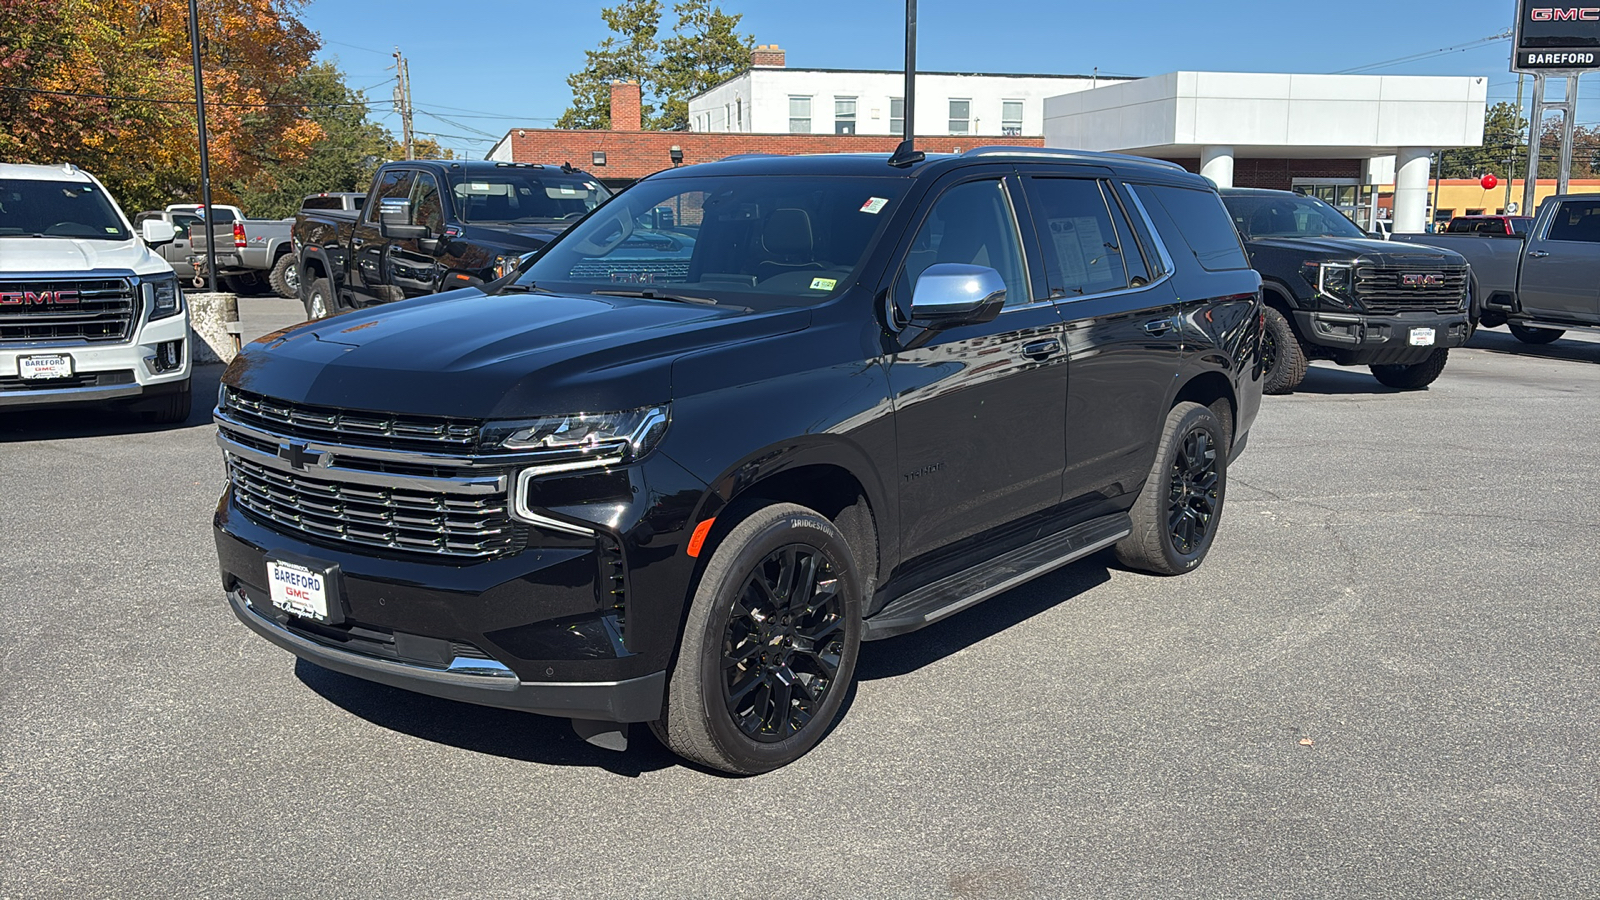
(1283, 363)
(1531, 335)
(285, 277)
(769, 647)
(319, 300)
(1175, 518)
(1413, 377)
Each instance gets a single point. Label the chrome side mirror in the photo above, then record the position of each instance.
(951, 294)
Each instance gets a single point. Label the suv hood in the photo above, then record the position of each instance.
(483, 356)
(1382, 253)
(69, 255)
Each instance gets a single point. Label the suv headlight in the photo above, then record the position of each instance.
(1334, 281)
(162, 297)
(505, 265)
(575, 443)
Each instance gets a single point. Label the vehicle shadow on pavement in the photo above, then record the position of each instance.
(482, 729)
(1330, 381)
(1563, 348)
(907, 653)
(97, 420)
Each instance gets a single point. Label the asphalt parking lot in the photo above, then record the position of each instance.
(1383, 682)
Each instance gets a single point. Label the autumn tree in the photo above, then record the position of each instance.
(704, 48)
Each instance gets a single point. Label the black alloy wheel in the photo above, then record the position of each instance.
(783, 643)
(1269, 350)
(1193, 501)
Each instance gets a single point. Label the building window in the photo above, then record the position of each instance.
(1011, 117)
(799, 115)
(844, 115)
(1474, 212)
(738, 106)
(897, 115)
(960, 116)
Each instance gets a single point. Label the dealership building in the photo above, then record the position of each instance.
(1338, 137)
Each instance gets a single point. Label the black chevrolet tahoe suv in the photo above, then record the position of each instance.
(1334, 293)
(434, 225)
(740, 419)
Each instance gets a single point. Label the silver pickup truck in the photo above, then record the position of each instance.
(249, 250)
(1542, 284)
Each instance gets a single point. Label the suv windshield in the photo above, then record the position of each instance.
(1287, 215)
(754, 238)
(524, 195)
(70, 209)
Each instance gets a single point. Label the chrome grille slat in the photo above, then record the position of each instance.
(106, 311)
(354, 429)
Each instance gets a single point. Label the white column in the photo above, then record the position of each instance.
(1216, 163)
(1376, 172)
(1411, 190)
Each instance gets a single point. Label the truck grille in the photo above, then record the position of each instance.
(412, 521)
(103, 311)
(1382, 289)
(362, 429)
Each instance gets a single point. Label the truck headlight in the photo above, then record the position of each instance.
(619, 436)
(505, 265)
(1333, 280)
(163, 298)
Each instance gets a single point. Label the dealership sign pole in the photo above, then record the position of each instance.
(1561, 40)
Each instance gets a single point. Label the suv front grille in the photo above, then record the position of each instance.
(357, 429)
(1382, 291)
(413, 521)
(103, 312)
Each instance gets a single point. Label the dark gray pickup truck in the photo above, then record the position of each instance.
(1542, 284)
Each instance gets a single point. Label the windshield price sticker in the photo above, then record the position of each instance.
(1422, 337)
(823, 284)
(56, 365)
(298, 590)
(874, 205)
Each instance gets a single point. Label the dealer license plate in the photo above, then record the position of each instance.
(56, 365)
(1422, 337)
(298, 590)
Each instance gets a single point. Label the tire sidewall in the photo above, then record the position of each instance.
(321, 286)
(1200, 417)
(731, 566)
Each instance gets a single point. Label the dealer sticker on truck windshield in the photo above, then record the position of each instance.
(298, 590)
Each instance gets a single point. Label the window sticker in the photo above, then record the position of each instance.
(823, 284)
(874, 205)
(1080, 247)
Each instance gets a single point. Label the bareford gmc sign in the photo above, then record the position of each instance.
(1556, 38)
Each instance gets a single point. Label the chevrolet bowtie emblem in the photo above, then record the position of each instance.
(298, 456)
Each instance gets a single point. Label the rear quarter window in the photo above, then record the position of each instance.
(1203, 225)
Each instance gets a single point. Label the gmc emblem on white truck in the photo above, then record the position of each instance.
(38, 298)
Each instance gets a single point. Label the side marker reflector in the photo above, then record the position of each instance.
(698, 539)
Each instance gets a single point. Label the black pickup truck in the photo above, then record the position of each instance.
(434, 225)
(740, 419)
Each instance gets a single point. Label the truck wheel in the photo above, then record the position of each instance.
(242, 284)
(1413, 377)
(769, 647)
(1175, 518)
(169, 409)
(319, 300)
(1283, 363)
(1530, 335)
(285, 277)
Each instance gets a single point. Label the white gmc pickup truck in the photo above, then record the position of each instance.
(87, 312)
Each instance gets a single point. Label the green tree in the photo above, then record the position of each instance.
(1505, 132)
(1585, 151)
(705, 47)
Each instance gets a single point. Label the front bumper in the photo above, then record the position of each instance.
(1357, 339)
(101, 372)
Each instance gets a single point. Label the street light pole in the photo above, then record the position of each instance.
(205, 153)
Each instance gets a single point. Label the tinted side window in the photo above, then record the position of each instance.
(394, 185)
(1577, 220)
(1203, 223)
(320, 203)
(1083, 251)
(971, 223)
(427, 208)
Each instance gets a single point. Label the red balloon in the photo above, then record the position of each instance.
(1488, 182)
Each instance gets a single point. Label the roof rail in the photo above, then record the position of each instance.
(750, 156)
(1088, 156)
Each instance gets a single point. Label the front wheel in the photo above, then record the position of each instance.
(769, 647)
(1283, 362)
(169, 409)
(1531, 335)
(319, 300)
(1413, 377)
(1175, 518)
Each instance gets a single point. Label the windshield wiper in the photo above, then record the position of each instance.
(650, 294)
(529, 288)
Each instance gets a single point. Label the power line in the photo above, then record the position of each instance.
(1415, 57)
(355, 47)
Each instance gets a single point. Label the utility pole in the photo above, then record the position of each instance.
(1511, 152)
(402, 101)
(205, 152)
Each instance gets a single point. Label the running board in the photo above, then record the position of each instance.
(948, 596)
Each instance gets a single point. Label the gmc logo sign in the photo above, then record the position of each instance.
(1422, 280)
(38, 298)
(1571, 14)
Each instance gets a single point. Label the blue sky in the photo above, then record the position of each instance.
(487, 66)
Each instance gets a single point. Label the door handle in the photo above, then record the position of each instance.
(1041, 349)
(1159, 326)
(1539, 254)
